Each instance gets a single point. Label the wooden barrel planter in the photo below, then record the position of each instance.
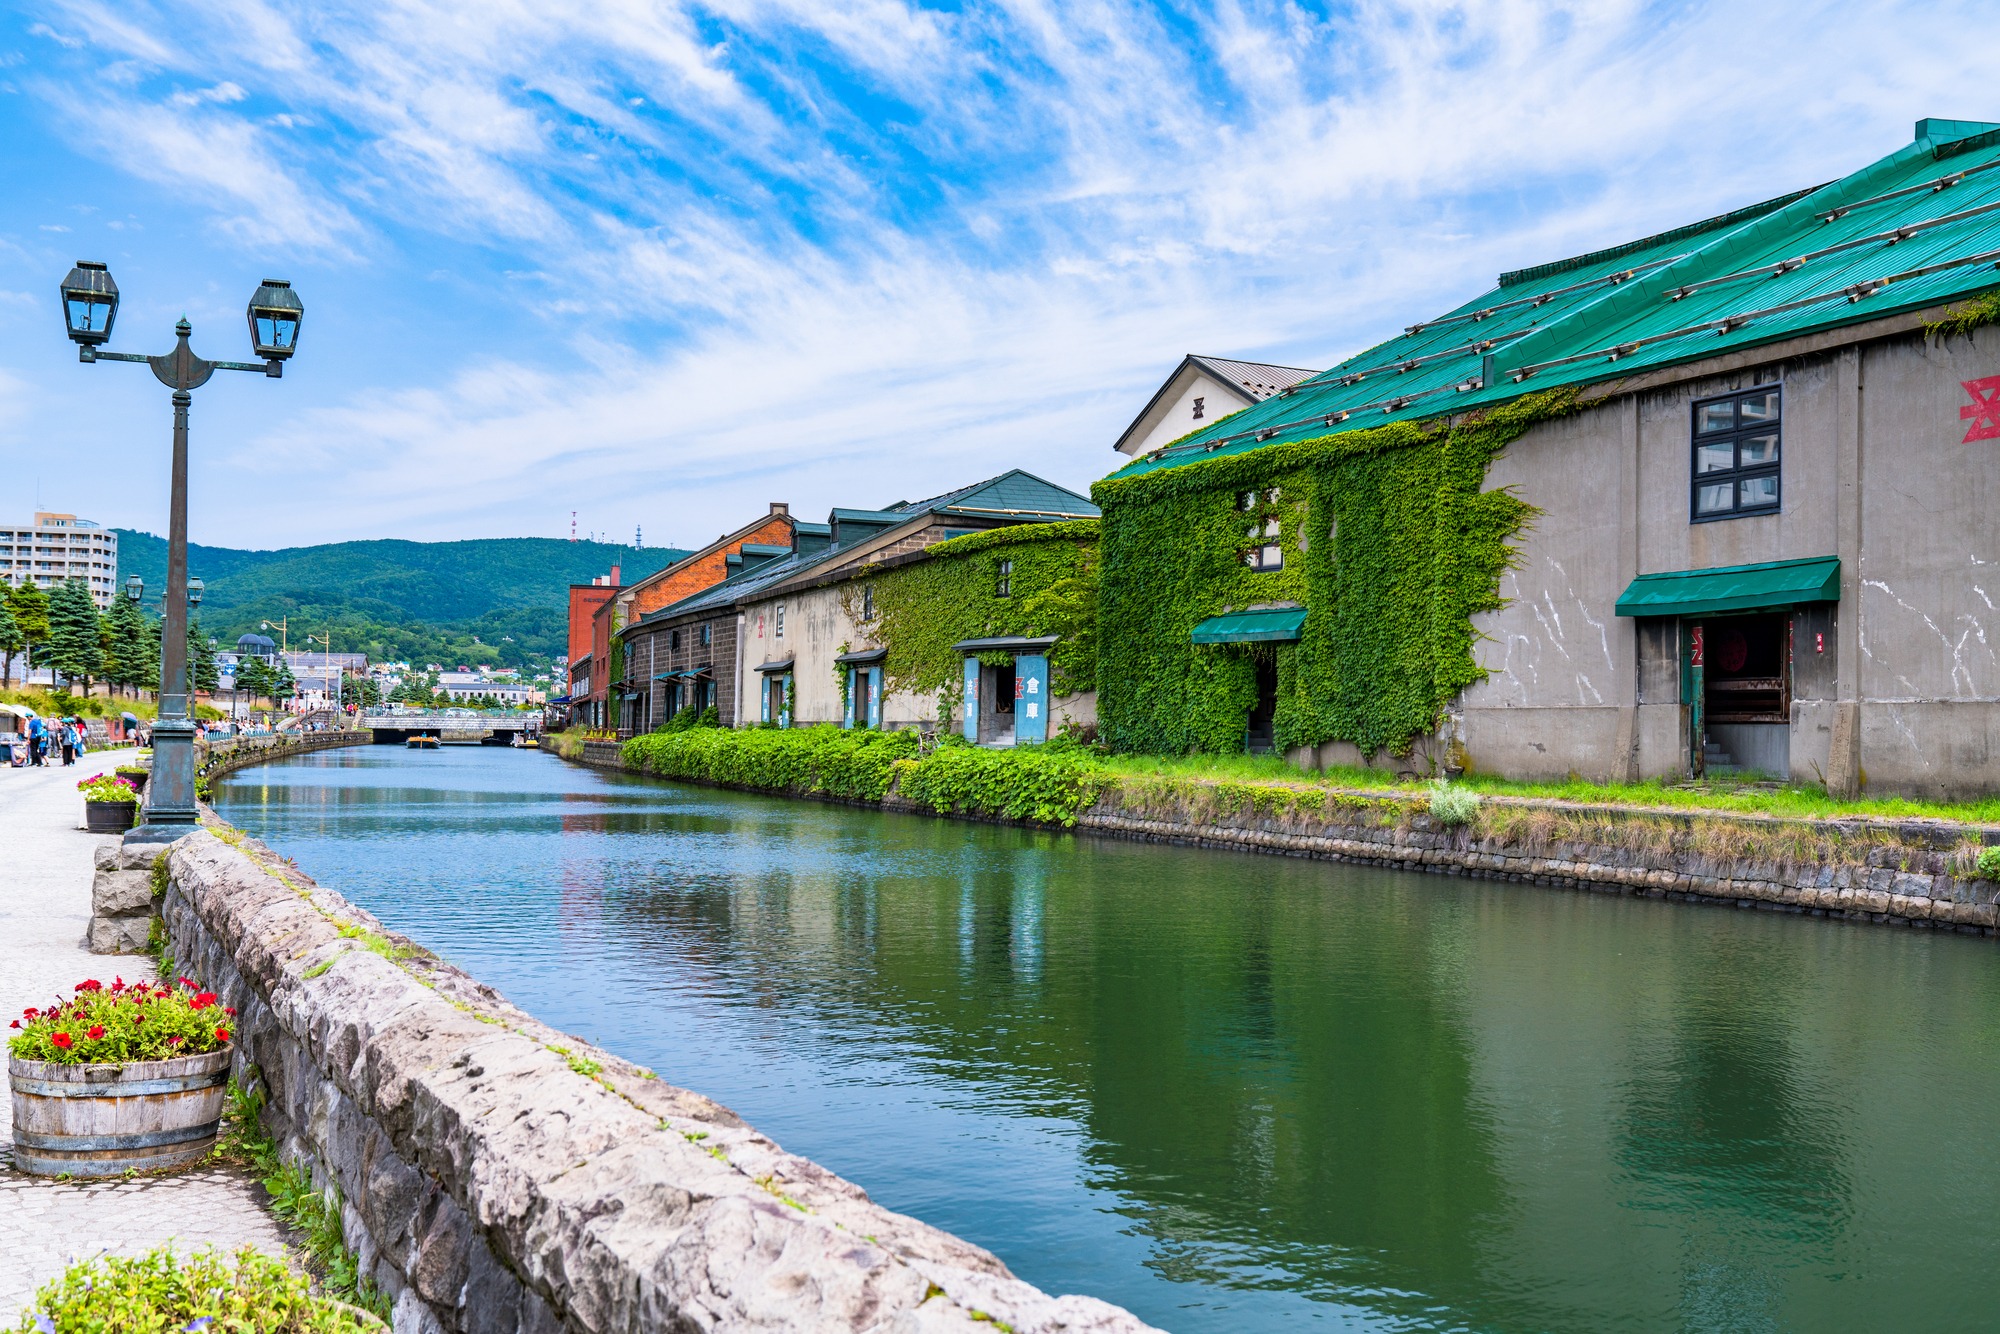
(110, 817)
(105, 1120)
(136, 777)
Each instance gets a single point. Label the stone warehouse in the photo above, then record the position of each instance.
(1714, 499)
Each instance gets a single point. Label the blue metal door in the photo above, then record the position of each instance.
(848, 721)
(971, 698)
(1031, 698)
(875, 697)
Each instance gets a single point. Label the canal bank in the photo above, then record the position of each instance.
(1233, 1094)
(494, 1174)
(1911, 872)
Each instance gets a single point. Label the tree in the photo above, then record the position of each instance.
(129, 659)
(361, 692)
(12, 641)
(283, 685)
(73, 650)
(253, 677)
(30, 606)
(202, 671)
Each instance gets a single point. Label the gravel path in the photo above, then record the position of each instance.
(45, 873)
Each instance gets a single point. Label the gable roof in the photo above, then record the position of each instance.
(1914, 230)
(1249, 381)
(1013, 494)
(719, 544)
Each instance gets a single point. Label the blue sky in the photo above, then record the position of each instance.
(659, 264)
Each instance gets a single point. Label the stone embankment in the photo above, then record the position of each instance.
(1905, 872)
(226, 755)
(498, 1177)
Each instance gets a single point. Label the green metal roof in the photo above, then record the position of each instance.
(1919, 228)
(1251, 627)
(1778, 583)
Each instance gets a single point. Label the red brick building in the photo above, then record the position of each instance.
(589, 645)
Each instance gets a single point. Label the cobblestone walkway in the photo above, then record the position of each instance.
(45, 872)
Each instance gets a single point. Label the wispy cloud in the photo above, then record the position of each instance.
(840, 251)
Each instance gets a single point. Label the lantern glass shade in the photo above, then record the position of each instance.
(90, 303)
(194, 591)
(135, 588)
(275, 315)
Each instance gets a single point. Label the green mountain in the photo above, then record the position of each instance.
(497, 600)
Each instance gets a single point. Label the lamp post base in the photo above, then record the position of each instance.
(170, 797)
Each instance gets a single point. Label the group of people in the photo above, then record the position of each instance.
(50, 739)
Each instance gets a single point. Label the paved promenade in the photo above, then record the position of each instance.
(45, 873)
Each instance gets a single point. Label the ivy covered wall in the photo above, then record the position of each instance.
(955, 593)
(1387, 539)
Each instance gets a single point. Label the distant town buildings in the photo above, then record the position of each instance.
(55, 547)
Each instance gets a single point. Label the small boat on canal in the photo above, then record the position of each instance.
(422, 741)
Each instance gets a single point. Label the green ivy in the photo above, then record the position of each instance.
(1050, 784)
(1389, 540)
(925, 607)
(1963, 319)
(855, 764)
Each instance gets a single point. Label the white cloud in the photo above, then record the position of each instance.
(891, 248)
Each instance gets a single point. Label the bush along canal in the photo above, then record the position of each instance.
(1225, 1092)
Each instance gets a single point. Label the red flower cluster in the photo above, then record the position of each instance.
(63, 1040)
(123, 1022)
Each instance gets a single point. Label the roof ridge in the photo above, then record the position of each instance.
(1515, 277)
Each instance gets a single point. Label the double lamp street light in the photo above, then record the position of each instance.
(90, 304)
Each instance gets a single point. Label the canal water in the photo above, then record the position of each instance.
(1232, 1093)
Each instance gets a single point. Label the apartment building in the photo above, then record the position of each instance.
(56, 546)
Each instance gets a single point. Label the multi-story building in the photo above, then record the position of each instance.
(319, 675)
(56, 547)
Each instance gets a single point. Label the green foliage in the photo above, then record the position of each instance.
(314, 1213)
(112, 1025)
(73, 648)
(30, 606)
(1451, 804)
(929, 605)
(108, 787)
(1388, 539)
(1051, 784)
(159, 1292)
(857, 764)
(1962, 320)
(12, 641)
(130, 659)
(203, 674)
(1989, 863)
(710, 717)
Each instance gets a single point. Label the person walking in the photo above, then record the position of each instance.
(38, 740)
(66, 735)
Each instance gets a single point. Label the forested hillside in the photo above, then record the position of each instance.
(442, 602)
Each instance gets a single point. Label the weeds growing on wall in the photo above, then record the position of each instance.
(1388, 539)
(960, 591)
(1963, 319)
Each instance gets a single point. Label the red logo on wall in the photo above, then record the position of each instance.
(1984, 414)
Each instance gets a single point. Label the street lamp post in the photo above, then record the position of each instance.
(90, 305)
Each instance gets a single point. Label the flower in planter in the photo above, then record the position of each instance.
(108, 787)
(138, 1021)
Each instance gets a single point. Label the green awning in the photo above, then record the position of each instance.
(1251, 627)
(1778, 583)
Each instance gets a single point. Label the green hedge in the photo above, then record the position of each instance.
(855, 764)
(1051, 783)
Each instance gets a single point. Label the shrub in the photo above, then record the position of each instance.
(138, 1021)
(247, 1294)
(1051, 784)
(1989, 863)
(108, 787)
(1452, 805)
(851, 764)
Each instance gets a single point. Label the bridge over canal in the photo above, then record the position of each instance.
(452, 727)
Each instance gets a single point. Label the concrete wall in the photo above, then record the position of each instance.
(817, 624)
(1176, 416)
(491, 1185)
(1906, 694)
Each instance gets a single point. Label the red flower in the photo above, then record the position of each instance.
(189, 985)
(229, 1010)
(96, 1033)
(222, 1035)
(202, 1001)
(174, 1040)
(92, 985)
(63, 1041)
(30, 1012)
(15, 1024)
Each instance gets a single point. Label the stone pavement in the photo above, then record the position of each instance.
(45, 874)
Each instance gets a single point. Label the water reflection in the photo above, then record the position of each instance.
(1232, 1093)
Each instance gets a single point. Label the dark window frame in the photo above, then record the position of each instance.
(1003, 583)
(1264, 550)
(707, 636)
(1734, 436)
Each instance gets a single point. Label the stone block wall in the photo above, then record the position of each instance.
(121, 899)
(498, 1177)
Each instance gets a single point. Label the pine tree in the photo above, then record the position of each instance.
(202, 671)
(253, 677)
(283, 685)
(128, 647)
(30, 606)
(72, 650)
(12, 641)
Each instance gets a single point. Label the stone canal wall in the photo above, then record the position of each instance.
(498, 1177)
(216, 758)
(1918, 873)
